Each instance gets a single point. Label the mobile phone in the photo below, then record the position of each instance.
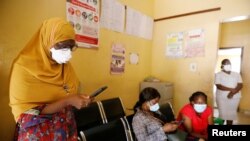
(97, 92)
(180, 122)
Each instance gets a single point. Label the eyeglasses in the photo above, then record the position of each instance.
(64, 45)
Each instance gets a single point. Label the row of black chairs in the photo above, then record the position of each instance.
(116, 130)
(103, 120)
(99, 112)
(106, 120)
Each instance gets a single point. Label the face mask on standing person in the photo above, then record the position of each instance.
(227, 67)
(61, 56)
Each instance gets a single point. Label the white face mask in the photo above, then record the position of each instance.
(199, 108)
(61, 55)
(154, 107)
(227, 67)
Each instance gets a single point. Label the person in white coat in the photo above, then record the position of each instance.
(228, 92)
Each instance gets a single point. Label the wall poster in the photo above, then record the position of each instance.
(139, 24)
(174, 48)
(113, 15)
(117, 59)
(195, 43)
(84, 16)
(186, 44)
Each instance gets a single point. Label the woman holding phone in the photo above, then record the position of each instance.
(44, 87)
(147, 124)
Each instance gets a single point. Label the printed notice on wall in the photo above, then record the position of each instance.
(84, 16)
(186, 44)
(117, 59)
(195, 43)
(138, 24)
(113, 15)
(174, 48)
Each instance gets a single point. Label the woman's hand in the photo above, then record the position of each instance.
(230, 95)
(169, 127)
(79, 101)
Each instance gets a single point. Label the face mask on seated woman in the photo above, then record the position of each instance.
(154, 108)
(199, 108)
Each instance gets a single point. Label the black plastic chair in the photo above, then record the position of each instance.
(168, 112)
(113, 131)
(113, 109)
(88, 117)
(129, 119)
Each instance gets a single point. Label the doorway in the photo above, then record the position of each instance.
(234, 54)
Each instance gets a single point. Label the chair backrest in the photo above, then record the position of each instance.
(167, 110)
(113, 108)
(129, 119)
(115, 130)
(89, 117)
(98, 115)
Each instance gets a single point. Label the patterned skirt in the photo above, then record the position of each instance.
(32, 126)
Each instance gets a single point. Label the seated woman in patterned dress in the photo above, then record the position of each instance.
(147, 124)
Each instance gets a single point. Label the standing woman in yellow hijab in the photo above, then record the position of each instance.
(43, 85)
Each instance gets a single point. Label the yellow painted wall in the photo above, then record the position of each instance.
(237, 34)
(177, 70)
(20, 19)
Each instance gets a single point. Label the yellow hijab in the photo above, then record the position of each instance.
(36, 79)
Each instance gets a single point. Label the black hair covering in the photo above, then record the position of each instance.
(197, 94)
(146, 94)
